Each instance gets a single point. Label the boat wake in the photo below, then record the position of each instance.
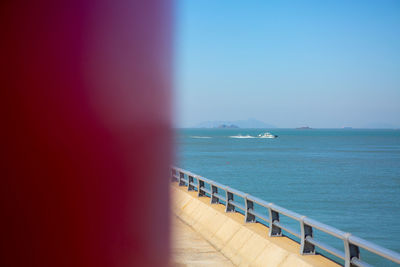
(242, 136)
(264, 135)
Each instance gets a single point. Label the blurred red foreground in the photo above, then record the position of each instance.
(85, 132)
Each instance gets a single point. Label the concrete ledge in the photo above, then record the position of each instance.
(243, 244)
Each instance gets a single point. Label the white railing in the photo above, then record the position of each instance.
(351, 244)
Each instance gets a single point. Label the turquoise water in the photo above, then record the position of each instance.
(349, 179)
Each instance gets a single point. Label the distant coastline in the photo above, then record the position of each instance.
(244, 124)
(224, 126)
(288, 128)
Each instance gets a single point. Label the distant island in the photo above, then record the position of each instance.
(249, 123)
(304, 128)
(224, 126)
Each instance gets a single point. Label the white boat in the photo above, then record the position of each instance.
(267, 135)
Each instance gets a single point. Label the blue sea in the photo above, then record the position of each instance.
(346, 178)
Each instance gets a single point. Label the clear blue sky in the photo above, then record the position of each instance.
(325, 64)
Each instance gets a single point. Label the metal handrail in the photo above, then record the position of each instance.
(352, 244)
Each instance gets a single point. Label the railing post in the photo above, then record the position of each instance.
(306, 247)
(190, 186)
(229, 196)
(200, 184)
(350, 251)
(249, 218)
(173, 172)
(273, 217)
(181, 177)
(214, 190)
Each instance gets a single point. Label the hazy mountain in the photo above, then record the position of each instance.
(250, 123)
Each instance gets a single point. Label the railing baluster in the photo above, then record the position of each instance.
(173, 172)
(273, 217)
(190, 186)
(181, 179)
(229, 196)
(214, 199)
(306, 247)
(249, 218)
(350, 251)
(200, 184)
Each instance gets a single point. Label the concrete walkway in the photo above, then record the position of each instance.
(189, 248)
(207, 235)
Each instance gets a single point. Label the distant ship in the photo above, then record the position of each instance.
(267, 135)
(304, 128)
